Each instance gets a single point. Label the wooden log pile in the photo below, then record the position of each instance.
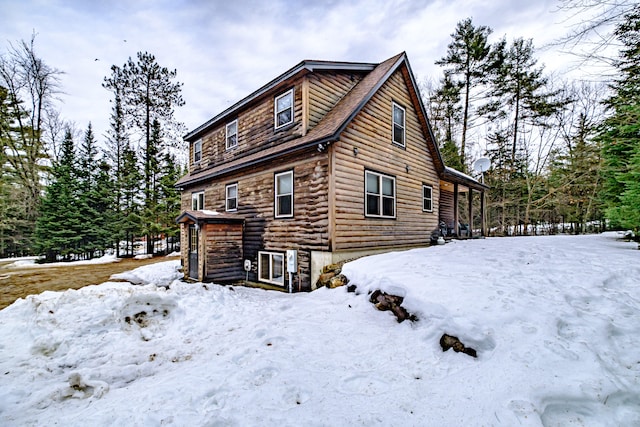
(332, 276)
(449, 341)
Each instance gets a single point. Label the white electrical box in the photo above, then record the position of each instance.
(247, 265)
(292, 260)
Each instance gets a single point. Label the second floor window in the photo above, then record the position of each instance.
(284, 194)
(197, 151)
(284, 109)
(197, 201)
(398, 124)
(232, 134)
(380, 195)
(232, 197)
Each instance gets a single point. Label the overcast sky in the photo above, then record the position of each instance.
(224, 50)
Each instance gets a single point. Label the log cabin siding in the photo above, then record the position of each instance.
(325, 90)
(224, 260)
(256, 131)
(446, 207)
(371, 133)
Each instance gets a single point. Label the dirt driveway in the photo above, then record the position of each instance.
(22, 281)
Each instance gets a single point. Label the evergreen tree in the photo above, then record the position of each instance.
(88, 194)
(58, 229)
(150, 94)
(446, 114)
(169, 208)
(467, 59)
(105, 204)
(129, 217)
(620, 132)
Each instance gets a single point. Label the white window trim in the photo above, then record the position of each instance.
(229, 147)
(275, 108)
(227, 198)
(196, 144)
(270, 267)
(393, 125)
(430, 187)
(381, 197)
(195, 198)
(275, 192)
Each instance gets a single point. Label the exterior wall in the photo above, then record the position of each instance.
(371, 133)
(325, 90)
(223, 252)
(446, 207)
(255, 131)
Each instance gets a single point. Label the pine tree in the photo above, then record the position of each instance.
(467, 59)
(169, 206)
(446, 114)
(87, 194)
(620, 132)
(58, 228)
(129, 217)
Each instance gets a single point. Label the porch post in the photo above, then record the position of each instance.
(470, 212)
(483, 226)
(455, 210)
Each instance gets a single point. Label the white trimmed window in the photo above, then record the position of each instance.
(197, 201)
(398, 124)
(283, 109)
(271, 268)
(197, 151)
(380, 195)
(427, 198)
(232, 197)
(284, 195)
(232, 134)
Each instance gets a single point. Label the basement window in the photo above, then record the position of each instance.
(271, 268)
(284, 109)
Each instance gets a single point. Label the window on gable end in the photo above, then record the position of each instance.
(398, 125)
(380, 195)
(283, 109)
(232, 134)
(197, 151)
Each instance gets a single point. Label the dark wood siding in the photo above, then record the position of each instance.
(371, 133)
(223, 243)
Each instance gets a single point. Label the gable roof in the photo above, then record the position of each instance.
(332, 124)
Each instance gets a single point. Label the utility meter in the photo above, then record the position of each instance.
(247, 265)
(292, 260)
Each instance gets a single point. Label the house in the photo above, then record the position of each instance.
(328, 161)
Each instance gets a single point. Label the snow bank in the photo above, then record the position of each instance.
(31, 262)
(555, 320)
(159, 274)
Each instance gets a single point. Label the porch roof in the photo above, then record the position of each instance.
(457, 177)
(208, 217)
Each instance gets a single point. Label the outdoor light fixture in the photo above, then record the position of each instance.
(355, 151)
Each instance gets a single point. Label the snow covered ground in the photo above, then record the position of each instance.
(555, 321)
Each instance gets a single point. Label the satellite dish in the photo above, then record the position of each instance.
(482, 165)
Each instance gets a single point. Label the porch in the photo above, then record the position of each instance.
(456, 189)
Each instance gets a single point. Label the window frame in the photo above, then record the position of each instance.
(430, 198)
(197, 150)
(291, 93)
(270, 279)
(227, 198)
(276, 205)
(195, 197)
(227, 135)
(381, 197)
(403, 126)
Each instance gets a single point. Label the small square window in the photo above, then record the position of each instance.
(271, 267)
(284, 195)
(284, 109)
(427, 198)
(232, 197)
(232, 134)
(197, 201)
(197, 151)
(398, 125)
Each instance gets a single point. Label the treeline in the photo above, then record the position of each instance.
(64, 196)
(565, 155)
